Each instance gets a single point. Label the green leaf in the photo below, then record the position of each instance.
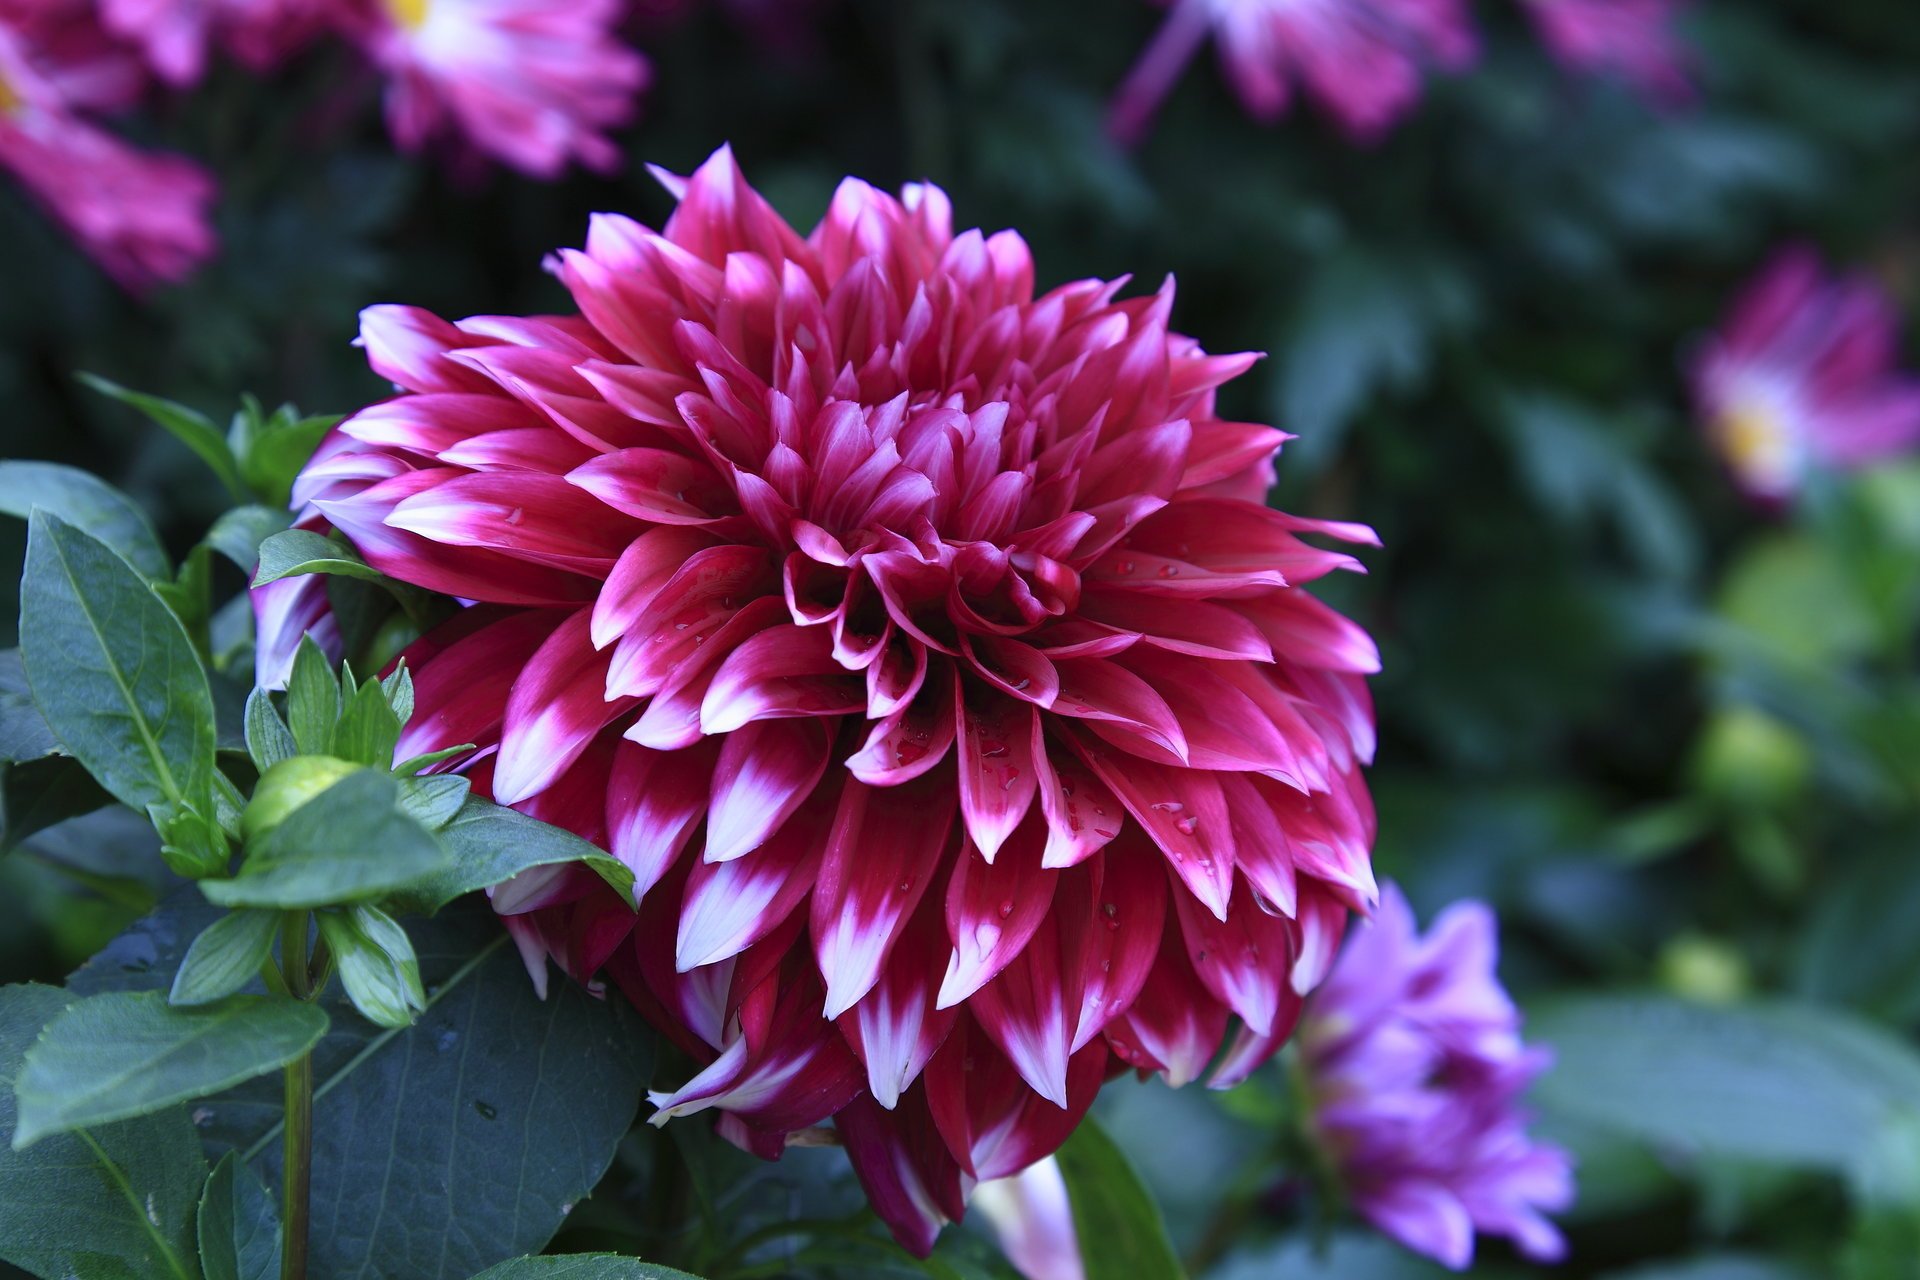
(368, 730)
(1774, 1083)
(238, 1227)
(433, 801)
(117, 1056)
(581, 1266)
(1121, 1233)
(225, 957)
(1718, 1267)
(414, 764)
(489, 844)
(24, 734)
(350, 843)
(399, 687)
(237, 535)
(376, 965)
(487, 1120)
(89, 504)
(269, 741)
(1344, 1257)
(273, 458)
(298, 551)
(37, 794)
(191, 428)
(115, 1202)
(112, 670)
(313, 699)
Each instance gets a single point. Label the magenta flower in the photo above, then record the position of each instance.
(1033, 1218)
(143, 217)
(920, 643)
(1632, 39)
(176, 36)
(530, 83)
(1362, 61)
(1412, 1056)
(1803, 375)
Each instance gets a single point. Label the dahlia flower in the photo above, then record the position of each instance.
(1632, 39)
(142, 217)
(1033, 1218)
(1802, 375)
(531, 83)
(176, 35)
(1360, 60)
(1413, 1062)
(919, 642)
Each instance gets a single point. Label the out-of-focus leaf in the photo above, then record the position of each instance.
(1718, 1267)
(188, 426)
(89, 504)
(1785, 1084)
(1121, 1234)
(1344, 1257)
(238, 534)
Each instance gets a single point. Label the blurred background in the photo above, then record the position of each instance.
(1670, 732)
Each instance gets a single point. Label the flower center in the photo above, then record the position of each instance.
(411, 14)
(1759, 442)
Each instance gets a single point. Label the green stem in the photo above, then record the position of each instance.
(297, 1168)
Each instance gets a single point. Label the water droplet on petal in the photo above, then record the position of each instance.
(1186, 826)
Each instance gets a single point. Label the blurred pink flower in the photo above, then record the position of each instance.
(176, 36)
(141, 216)
(921, 644)
(1632, 39)
(1033, 1218)
(1362, 61)
(1414, 1065)
(1804, 374)
(531, 83)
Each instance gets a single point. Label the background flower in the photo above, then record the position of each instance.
(141, 216)
(1632, 39)
(1414, 1066)
(1802, 374)
(1361, 61)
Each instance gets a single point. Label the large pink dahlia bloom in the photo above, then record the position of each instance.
(921, 644)
(531, 83)
(1632, 39)
(1803, 375)
(1414, 1066)
(143, 217)
(1361, 61)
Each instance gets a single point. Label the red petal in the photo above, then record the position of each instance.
(1183, 812)
(992, 910)
(648, 564)
(897, 1026)
(885, 846)
(766, 769)
(997, 778)
(557, 705)
(784, 671)
(654, 800)
(703, 594)
(1082, 814)
(730, 906)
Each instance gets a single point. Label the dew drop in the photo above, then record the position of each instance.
(1126, 566)
(1169, 571)
(1166, 806)
(1006, 909)
(993, 751)
(1021, 683)
(516, 515)
(487, 1110)
(1186, 825)
(906, 886)
(446, 1040)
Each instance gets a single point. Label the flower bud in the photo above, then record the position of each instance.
(285, 787)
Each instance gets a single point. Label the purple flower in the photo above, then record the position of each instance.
(1632, 39)
(1801, 375)
(1361, 61)
(1415, 1067)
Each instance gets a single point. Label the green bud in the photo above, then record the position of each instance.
(286, 786)
(1750, 758)
(1704, 969)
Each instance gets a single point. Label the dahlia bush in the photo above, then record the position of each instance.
(743, 730)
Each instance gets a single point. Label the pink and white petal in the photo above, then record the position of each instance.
(997, 778)
(765, 771)
(862, 902)
(654, 801)
(993, 909)
(730, 906)
(782, 672)
(557, 706)
(896, 1027)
